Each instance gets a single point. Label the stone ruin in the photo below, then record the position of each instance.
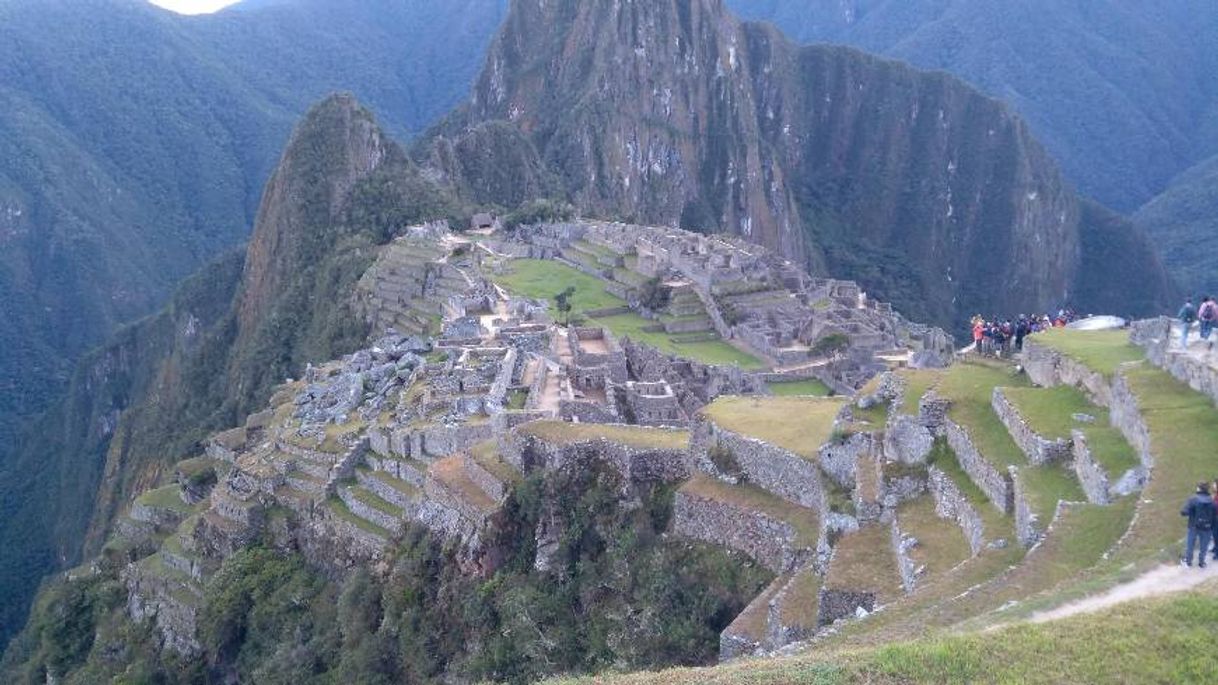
(419, 426)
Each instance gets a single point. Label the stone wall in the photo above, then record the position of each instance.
(1029, 529)
(1125, 414)
(771, 468)
(994, 483)
(390, 523)
(1091, 476)
(932, 413)
(770, 542)
(839, 460)
(838, 604)
(1156, 338)
(1039, 450)
(951, 504)
(901, 544)
(441, 441)
(1047, 368)
(528, 453)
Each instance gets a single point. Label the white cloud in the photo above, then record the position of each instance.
(194, 6)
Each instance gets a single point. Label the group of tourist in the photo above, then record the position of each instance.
(1206, 316)
(996, 337)
(1201, 510)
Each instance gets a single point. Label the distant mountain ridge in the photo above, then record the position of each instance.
(134, 147)
(134, 143)
(930, 194)
(1124, 94)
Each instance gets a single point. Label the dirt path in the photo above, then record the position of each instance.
(1163, 580)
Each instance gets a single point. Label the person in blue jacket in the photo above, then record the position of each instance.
(1200, 511)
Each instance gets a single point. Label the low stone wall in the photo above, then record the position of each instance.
(1039, 449)
(390, 523)
(901, 544)
(1126, 416)
(1091, 476)
(994, 483)
(770, 542)
(952, 505)
(1154, 336)
(771, 468)
(839, 460)
(503, 423)
(587, 412)
(1047, 368)
(485, 480)
(391, 494)
(1029, 529)
(838, 604)
(441, 441)
(528, 453)
(932, 413)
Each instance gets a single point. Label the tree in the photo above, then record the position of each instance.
(563, 301)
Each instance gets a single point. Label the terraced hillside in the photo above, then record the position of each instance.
(1124, 423)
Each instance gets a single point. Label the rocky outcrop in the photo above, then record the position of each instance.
(907, 440)
(1047, 367)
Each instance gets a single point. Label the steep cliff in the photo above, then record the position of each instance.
(241, 326)
(932, 195)
(1117, 91)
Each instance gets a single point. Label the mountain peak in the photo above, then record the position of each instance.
(337, 144)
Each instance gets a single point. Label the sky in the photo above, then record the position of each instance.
(194, 6)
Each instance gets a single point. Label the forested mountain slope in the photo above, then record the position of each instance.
(134, 144)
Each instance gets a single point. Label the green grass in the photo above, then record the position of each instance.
(1045, 486)
(941, 543)
(863, 561)
(339, 508)
(516, 399)
(1102, 351)
(798, 424)
(562, 433)
(811, 386)
(1050, 411)
(486, 455)
(996, 523)
(366, 496)
(752, 498)
(167, 497)
(714, 352)
(917, 383)
(543, 279)
(1154, 641)
(970, 386)
(802, 599)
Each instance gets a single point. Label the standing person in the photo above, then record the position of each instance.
(1021, 331)
(1200, 512)
(978, 334)
(1187, 315)
(1208, 315)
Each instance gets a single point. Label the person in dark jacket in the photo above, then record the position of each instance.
(1200, 511)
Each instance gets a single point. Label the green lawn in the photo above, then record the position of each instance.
(708, 352)
(917, 383)
(1045, 486)
(1102, 351)
(1050, 412)
(543, 279)
(970, 386)
(811, 387)
(168, 497)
